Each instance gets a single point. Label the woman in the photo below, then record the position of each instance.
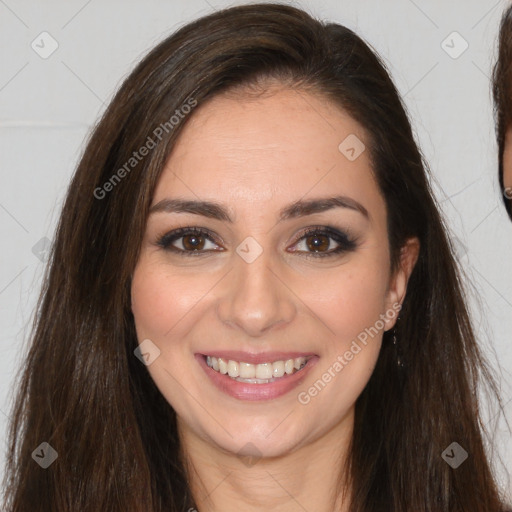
(502, 91)
(252, 302)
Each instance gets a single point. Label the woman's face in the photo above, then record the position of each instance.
(507, 165)
(252, 287)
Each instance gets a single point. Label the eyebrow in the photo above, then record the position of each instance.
(300, 208)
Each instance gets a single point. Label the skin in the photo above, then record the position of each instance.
(507, 164)
(256, 155)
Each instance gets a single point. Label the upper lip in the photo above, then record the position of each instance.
(256, 358)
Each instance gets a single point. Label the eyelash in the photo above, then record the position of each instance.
(345, 244)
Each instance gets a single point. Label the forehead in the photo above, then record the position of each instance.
(284, 143)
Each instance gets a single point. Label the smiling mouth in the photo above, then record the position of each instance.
(262, 373)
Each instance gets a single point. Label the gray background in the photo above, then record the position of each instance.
(48, 105)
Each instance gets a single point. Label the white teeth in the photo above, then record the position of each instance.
(254, 381)
(256, 373)
(247, 371)
(278, 369)
(223, 366)
(264, 371)
(233, 369)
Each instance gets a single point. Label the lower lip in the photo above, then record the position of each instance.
(246, 391)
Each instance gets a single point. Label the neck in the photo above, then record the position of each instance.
(305, 477)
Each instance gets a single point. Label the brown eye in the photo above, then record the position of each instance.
(193, 242)
(317, 243)
(189, 242)
(324, 241)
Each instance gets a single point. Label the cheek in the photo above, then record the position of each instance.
(158, 301)
(349, 302)
(507, 172)
(507, 160)
(349, 299)
(150, 305)
(350, 305)
(163, 306)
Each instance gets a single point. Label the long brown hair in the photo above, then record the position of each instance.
(85, 393)
(502, 94)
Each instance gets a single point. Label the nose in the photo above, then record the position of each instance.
(256, 298)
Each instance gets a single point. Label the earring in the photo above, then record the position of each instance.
(396, 345)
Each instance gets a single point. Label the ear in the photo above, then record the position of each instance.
(399, 279)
